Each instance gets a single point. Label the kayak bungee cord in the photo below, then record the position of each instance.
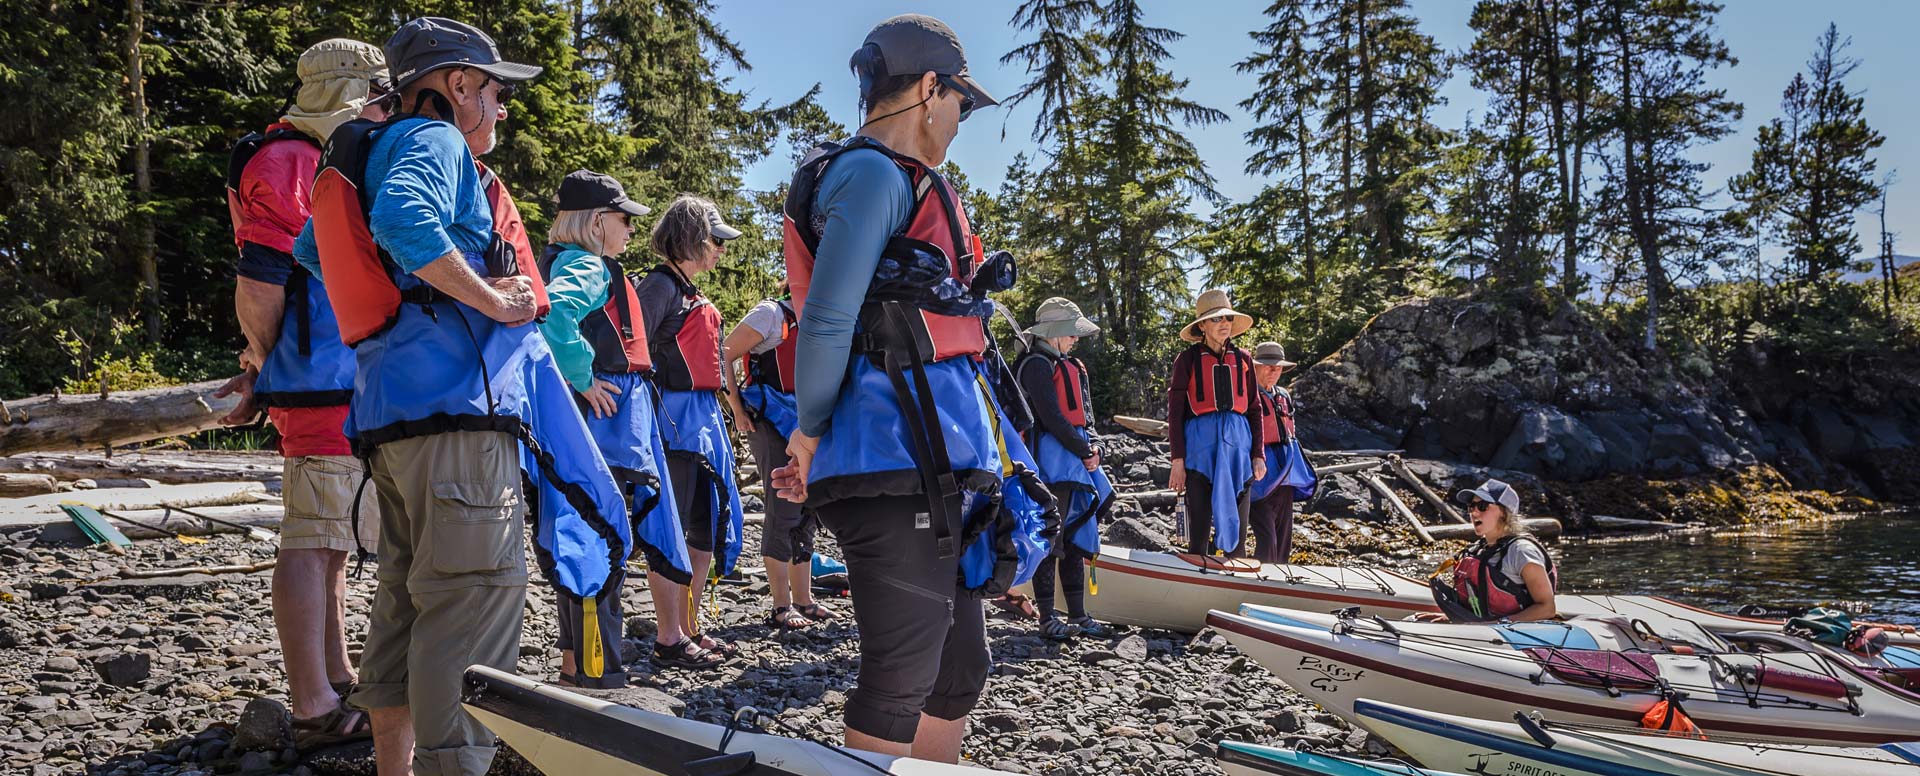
(1753, 698)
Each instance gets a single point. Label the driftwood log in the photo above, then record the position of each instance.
(88, 421)
(1609, 521)
(121, 499)
(1543, 527)
(1398, 507)
(12, 484)
(1433, 499)
(1143, 426)
(168, 467)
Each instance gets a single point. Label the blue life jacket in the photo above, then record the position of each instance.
(309, 365)
(427, 364)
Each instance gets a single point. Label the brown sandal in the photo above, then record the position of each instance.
(786, 618)
(345, 723)
(817, 613)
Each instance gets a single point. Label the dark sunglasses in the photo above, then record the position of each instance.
(506, 89)
(1479, 506)
(967, 102)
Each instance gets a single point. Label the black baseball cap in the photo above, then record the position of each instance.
(911, 44)
(589, 190)
(431, 43)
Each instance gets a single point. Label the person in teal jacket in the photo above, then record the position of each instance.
(597, 335)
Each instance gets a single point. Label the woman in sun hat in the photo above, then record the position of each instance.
(1059, 393)
(1213, 425)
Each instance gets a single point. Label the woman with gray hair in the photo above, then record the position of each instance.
(683, 338)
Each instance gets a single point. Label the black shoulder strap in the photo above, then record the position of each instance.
(617, 286)
(806, 179)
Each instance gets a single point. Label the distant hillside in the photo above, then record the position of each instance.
(1904, 262)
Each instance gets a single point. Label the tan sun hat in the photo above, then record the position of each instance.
(1060, 317)
(337, 77)
(1213, 303)
(1271, 353)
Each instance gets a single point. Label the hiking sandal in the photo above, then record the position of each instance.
(786, 618)
(817, 613)
(686, 654)
(345, 723)
(1015, 604)
(1092, 628)
(1056, 629)
(343, 689)
(716, 645)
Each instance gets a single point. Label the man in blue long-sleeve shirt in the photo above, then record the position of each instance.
(452, 572)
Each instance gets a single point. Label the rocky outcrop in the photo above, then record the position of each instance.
(1530, 385)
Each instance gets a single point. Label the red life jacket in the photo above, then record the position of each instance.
(360, 276)
(1070, 389)
(1276, 413)
(686, 345)
(613, 331)
(1217, 383)
(774, 367)
(1479, 581)
(942, 228)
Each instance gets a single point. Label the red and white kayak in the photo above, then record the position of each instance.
(1455, 743)
(1788, 697)
(1174, 591)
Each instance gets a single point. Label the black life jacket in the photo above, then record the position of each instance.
(686, 346)
(619, 346)
(1218, 383)
(773, 368)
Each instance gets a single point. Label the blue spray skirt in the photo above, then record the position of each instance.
(424, 375)
(771, 406)
(693, 424)
(868, 450)
(1026, 505)
(629, 440)
(1287, 465)
(1220, 448)
(1082, 494)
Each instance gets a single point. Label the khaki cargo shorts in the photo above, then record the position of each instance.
(318, 491)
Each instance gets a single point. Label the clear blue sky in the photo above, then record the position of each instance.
(793, 44)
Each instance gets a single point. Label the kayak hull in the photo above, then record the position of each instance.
(569, 734)
(1163, 590)
(1453, 742)
(1492, 681)
(1239, 758)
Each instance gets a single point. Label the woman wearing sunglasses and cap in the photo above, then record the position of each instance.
(595, 332)
(1505, 574)
(1213, 426)
(683, 335)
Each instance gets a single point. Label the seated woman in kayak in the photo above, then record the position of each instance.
(1505, 574)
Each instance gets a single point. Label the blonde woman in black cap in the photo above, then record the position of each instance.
(1213, 426)
(594, 330)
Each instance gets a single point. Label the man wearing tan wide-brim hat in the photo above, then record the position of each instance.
(1213, 303)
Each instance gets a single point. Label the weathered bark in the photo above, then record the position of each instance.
(84, 422)
(1146, 426)
(145, 258)
(168, 467)
(1433, 499)
(1398, 507)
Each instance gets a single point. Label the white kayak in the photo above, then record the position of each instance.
(569, 734)
(1526, 745)
(1793, 697)
(1174, 591)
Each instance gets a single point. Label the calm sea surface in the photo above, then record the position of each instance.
(1873, 562)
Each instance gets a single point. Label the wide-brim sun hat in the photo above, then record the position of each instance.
(1271, 353)
(1213, 303)
(1060, 317)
